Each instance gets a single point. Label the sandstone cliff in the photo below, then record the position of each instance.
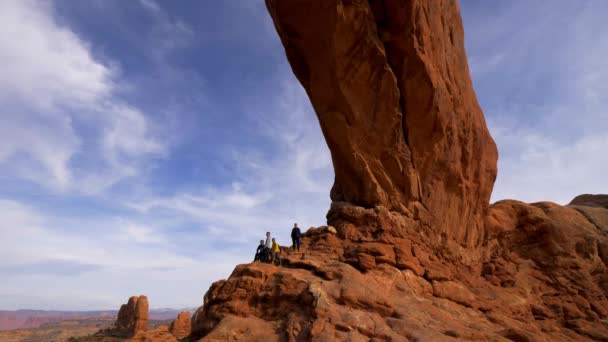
(415, 251)
(543, 278)
(390, 84)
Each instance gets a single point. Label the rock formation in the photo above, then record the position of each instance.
(160, 334)
(415, 253)
(390, 84)
(543, 278)
(600, 201)
(180, 328)
(132, 317)
(132, 324)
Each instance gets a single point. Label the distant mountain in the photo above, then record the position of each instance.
(31, 319)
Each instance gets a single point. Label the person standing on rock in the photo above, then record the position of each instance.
(296, 236)
(267, 247)
(276, 252)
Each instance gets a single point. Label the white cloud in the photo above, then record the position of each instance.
(50, 85)
(48, 143)
(168, 33)
(52, 263)
(150, 5)
(140, 234)
(272, 189)
(46, 65)
(126, 134)
(545, 89)
(29, 236)
(535, 168)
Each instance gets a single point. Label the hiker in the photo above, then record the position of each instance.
(267, 247)
(296, 237)
(276, 252)
(259, 251)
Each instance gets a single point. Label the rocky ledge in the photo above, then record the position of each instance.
(543, 277)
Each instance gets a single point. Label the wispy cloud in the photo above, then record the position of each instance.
(38, 238)
(150, 5)
(535, 167)
(111, 259)
(168, 33)
(543, 90)
(51, 85)
(47, 66)
(271, 188)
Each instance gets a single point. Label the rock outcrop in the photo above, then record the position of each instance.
(132, 325)
(160, 334)
(587, 200)
(180, 327)
(543, 277)
(415, 252)
(132, 317)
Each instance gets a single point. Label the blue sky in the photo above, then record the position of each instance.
(145, 146)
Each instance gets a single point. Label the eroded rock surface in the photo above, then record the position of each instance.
(414, 251)
(132, 325)
(132, 317)
(180, 327)
(543, 278)
(587, 200)
(390, 84)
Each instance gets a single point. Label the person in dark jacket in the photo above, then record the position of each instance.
(296, 237)
(259, 251)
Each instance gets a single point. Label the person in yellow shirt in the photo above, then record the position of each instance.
(275, 251)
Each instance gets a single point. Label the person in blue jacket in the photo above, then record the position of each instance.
(296, 237)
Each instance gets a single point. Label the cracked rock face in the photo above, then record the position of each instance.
(542, 277)
(390, 84)
(132, 317)
(413, 250)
